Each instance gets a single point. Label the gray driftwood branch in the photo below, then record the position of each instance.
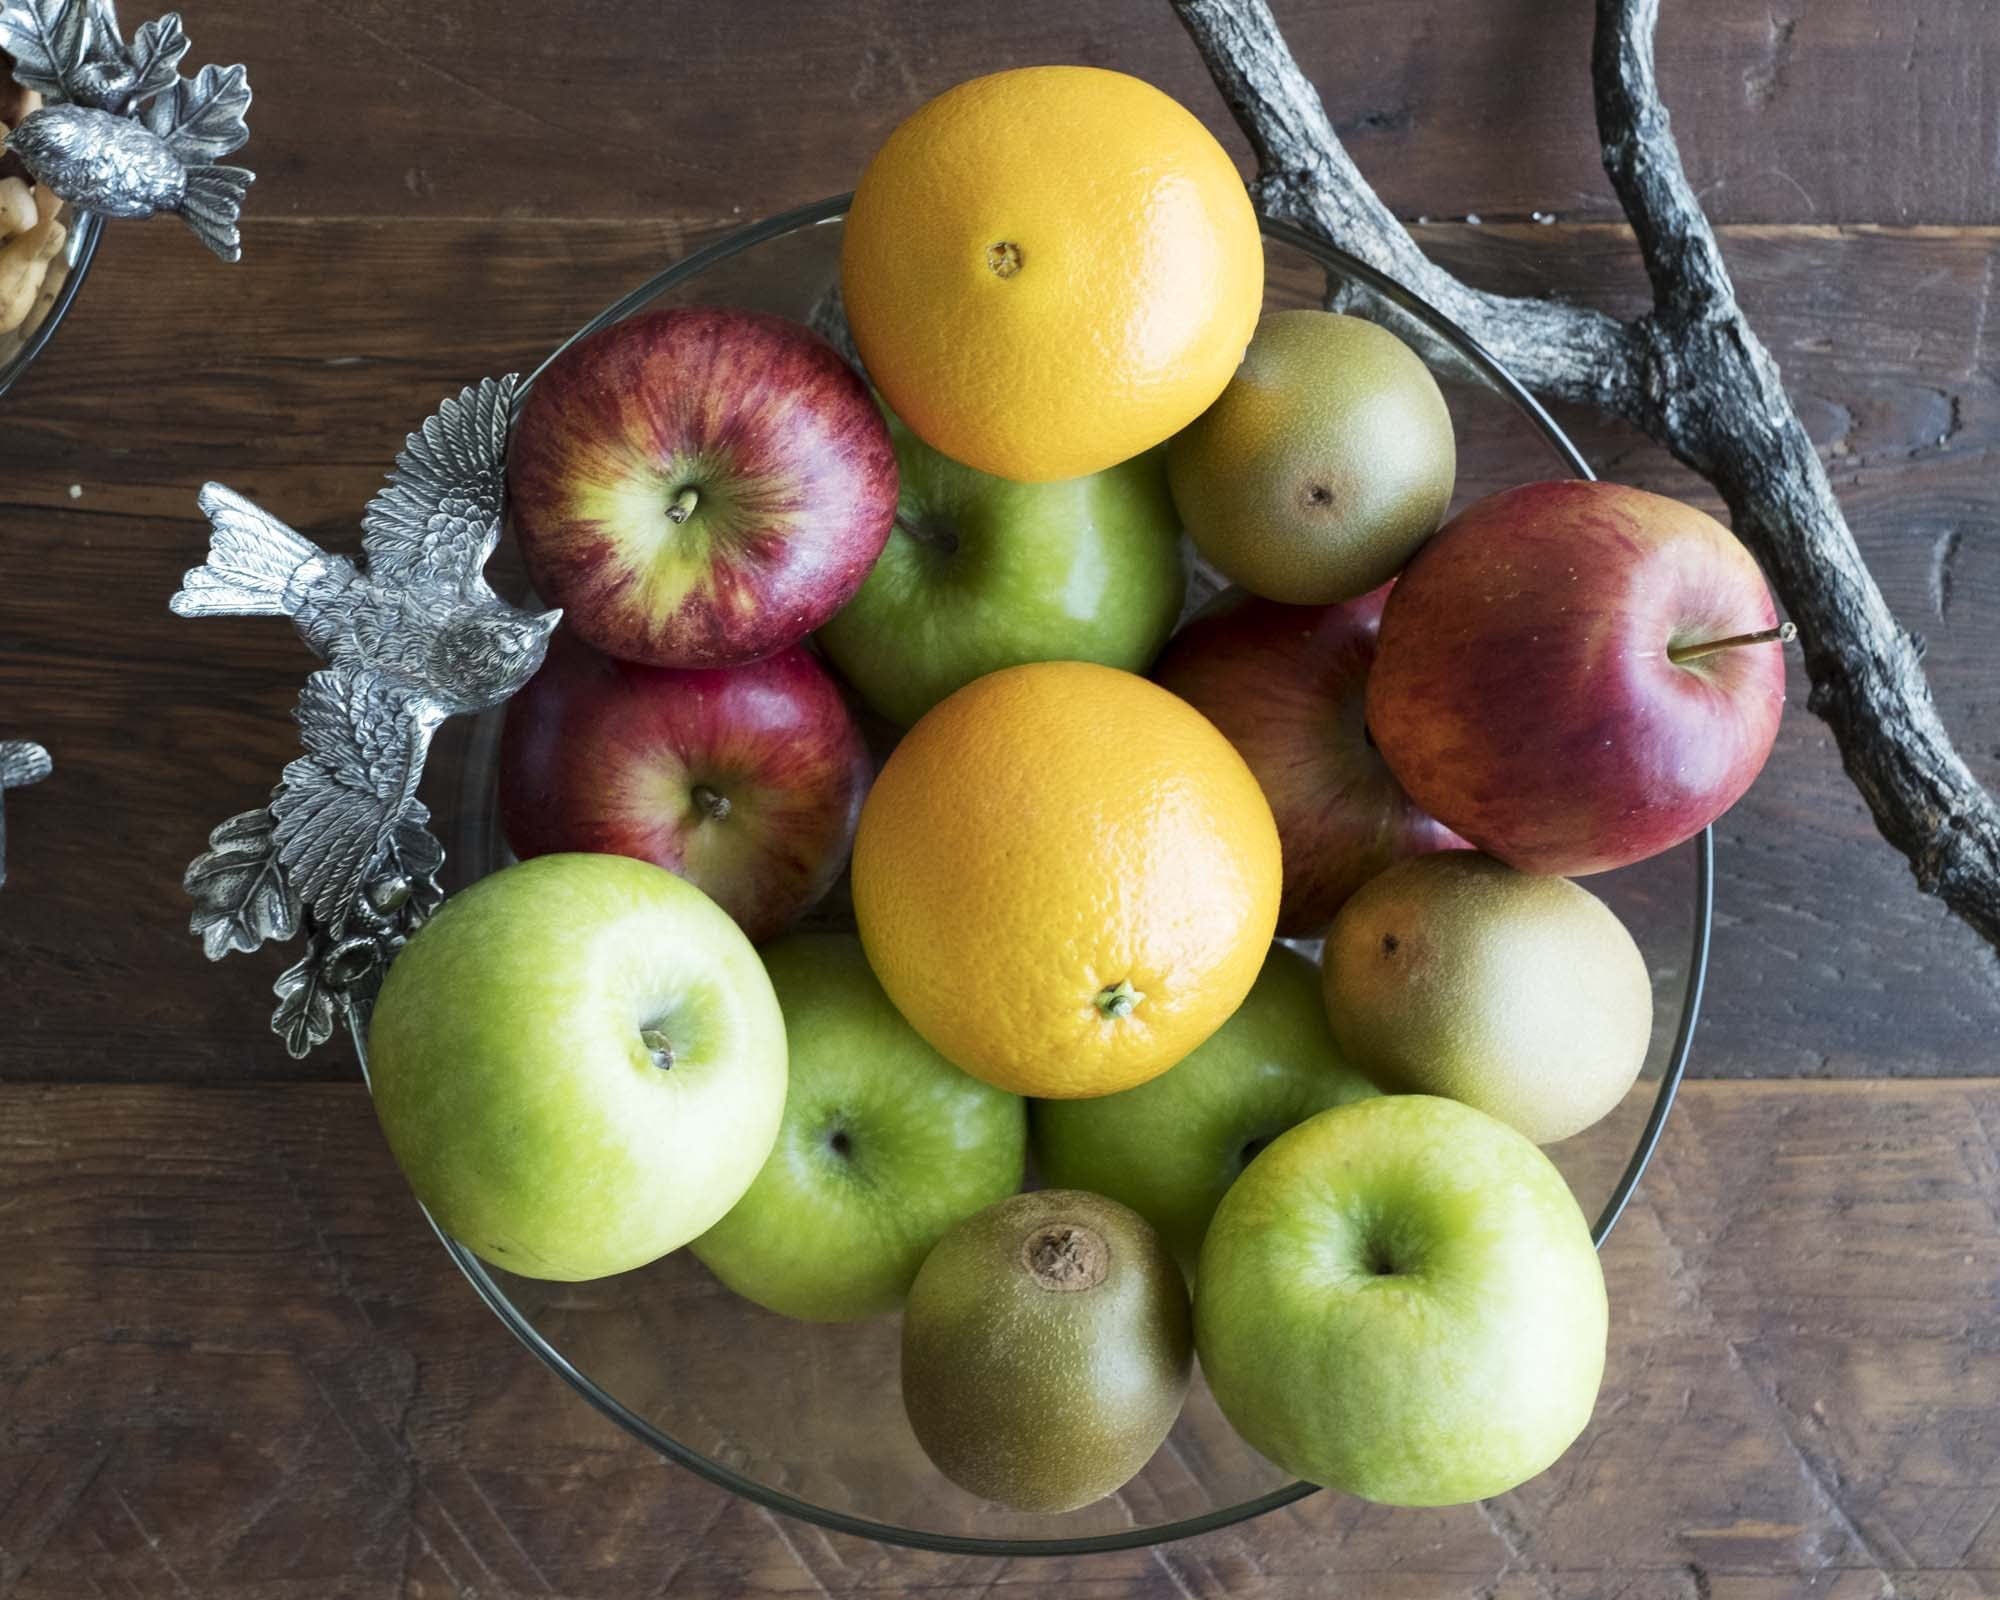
(1693, 375)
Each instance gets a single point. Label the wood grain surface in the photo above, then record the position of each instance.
(234, 1363)
(1833, 111)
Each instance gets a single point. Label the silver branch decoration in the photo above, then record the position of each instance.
(121, 132)
(1693, 374)
(343, 850)
(21, 764)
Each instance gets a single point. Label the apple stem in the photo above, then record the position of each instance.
(1681, 654)
(661, 1046)
(932, 535)
(710, 803)
(684, 504)
(1119, 1000)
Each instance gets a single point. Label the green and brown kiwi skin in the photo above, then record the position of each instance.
(1522, 996)
(1045, 1399)
(1322, 466)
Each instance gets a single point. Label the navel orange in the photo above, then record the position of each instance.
(1065, 879)
(1049, 270)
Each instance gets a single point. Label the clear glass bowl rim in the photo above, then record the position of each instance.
(89, 233)
(496, 1298)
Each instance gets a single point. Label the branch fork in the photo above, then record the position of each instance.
(1693, 375)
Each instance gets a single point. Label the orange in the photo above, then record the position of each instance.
(1049, 270)
(1065, 879)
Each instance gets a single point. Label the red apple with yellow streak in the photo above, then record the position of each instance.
(701, 486)
(746, 781)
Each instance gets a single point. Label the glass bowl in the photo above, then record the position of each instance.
(59, 290)
(808, 1419)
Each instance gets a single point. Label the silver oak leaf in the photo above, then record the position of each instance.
(154, 64)
(123, 133)
(52, 41)
(311, 990)
(202, 119)
(307, 1002)
(412, 635)
(21, 764)
(241, 898)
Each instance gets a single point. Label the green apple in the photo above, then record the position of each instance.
(1400, 1300)
(579, 1064)
(982, 573)
(884, 1148)
(1171, 1148)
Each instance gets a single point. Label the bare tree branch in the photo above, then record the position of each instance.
(1306, 177)
(1693, 375)
(1644, 165)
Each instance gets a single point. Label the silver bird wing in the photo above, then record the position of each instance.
(343, 804)
(439, 518)
(21, 764)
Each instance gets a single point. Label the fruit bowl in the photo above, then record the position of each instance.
(808, 1418)
(58, 293)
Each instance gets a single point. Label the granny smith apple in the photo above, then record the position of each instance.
(982, 573)
(1400, 1300)
(884, 1148)
(1171, 1148)
(579, 1064)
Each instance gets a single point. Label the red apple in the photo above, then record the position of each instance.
(700, 487)
(1284, 684)
(744, 780)
(1576, 676)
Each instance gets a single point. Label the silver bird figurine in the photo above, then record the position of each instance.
(21, 764)
(415, 638)
(122, 133)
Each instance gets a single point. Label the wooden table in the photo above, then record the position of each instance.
(233, 1362)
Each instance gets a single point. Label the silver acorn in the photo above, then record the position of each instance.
(122, 133)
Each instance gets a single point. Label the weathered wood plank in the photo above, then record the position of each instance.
(235, 1364)
(306, 372)
(1841, 111)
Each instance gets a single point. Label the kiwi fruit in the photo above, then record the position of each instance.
(1047, 1347)
(1323, 465)
(1522, 996)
